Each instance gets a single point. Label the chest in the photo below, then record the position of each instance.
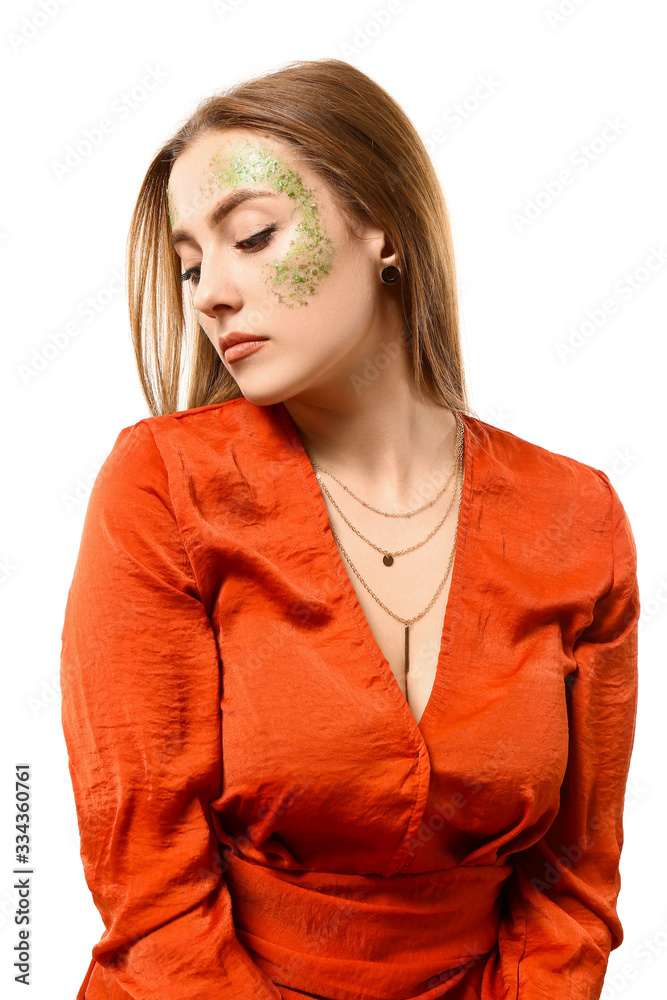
(318, 742)
(405, 588)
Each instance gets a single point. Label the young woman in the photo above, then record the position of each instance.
(349, 675)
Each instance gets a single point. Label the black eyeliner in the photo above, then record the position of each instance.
(263, 232)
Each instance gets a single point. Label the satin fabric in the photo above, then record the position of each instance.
(260, 815)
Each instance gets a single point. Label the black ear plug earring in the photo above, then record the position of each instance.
(390, 274)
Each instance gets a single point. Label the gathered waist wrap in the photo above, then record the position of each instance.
(345, 936)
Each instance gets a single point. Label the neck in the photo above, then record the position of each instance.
(392, 445)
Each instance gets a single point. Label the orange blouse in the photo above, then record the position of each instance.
(260, 814)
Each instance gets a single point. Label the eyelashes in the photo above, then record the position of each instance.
(264, 237)
(257, 242)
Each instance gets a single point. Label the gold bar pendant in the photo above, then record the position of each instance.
(407, 648)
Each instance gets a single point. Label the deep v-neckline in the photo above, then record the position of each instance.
(417, 729)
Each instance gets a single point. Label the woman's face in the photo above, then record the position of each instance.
(266, 251)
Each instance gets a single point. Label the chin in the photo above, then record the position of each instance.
(283, 383)
(263, 395)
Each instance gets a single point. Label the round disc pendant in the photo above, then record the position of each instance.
(388, 560)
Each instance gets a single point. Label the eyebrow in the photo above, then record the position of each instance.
(217, 214)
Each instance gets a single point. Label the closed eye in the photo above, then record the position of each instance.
(263, 238)
(256, 242)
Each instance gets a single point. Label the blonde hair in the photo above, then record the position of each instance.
(359, 140)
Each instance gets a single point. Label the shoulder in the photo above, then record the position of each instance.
(141, 450)
(201, 421)
(134, 501)
(517, 464)
(549, 501)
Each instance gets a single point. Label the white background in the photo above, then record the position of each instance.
(552, 82)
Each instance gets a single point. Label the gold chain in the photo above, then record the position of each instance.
(411, 513)
(387, 552)
(409, 621)
(388, 558)
(378, 548)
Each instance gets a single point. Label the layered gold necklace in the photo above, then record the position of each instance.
(389, 556)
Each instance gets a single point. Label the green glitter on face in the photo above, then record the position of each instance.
(310, 254)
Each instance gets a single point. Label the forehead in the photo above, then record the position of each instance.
(222, 161)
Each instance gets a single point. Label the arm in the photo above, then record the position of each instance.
(141, 719)
(562, 921)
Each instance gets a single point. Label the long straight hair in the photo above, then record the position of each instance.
(354, 135)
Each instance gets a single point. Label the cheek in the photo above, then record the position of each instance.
(208, 326)
(296, 272)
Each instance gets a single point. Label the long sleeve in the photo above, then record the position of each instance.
(141, 719)
(562, 921)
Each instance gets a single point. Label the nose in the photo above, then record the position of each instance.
(216, 290)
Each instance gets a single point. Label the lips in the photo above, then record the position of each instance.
(236, 337)
(243, 349)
